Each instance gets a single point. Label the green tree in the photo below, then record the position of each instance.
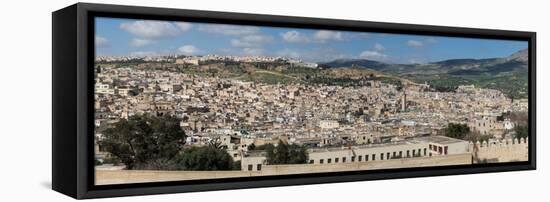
(264, 147)
(286, 154)
(237, 165)
(211, 157)
(143, 141)
(522, 131)
(456, 130)
(251, 147)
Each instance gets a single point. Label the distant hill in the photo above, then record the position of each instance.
(489, 72)
(514, 62)
(522, 56)
(371, 64)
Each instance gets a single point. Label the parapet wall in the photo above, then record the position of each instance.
(506, 150)
(104, 177)
(456, 159)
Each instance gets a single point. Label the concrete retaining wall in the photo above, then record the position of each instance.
(136, 176)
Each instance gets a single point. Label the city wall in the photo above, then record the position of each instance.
(458, 159)
(136, 176)
(507, 150)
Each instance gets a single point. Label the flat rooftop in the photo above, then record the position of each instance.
(439, 139)
(408, 141)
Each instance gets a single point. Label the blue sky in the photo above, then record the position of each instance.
(120, 37)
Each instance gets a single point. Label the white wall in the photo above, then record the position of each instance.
(25, 76)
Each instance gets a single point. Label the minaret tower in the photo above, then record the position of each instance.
(403, 101)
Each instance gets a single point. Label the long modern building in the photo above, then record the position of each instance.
(407, 148)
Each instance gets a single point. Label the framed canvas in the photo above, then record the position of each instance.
(157, 100)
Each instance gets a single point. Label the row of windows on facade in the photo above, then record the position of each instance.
(258, 167)
(415, 153)
(394, 155)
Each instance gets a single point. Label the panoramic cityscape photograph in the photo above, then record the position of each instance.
(180, 101)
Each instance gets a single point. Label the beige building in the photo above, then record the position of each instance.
(328, 124)
(487, 125)
(409, 148)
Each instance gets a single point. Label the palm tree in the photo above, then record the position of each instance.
(216, 143)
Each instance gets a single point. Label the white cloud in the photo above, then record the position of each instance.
(326, 54)
(415, 43)
(251, 41)
(252, 44)
(431, 40)
(189, 50)
(373, 55)
(150, 29)
(325, 35)
(253, 51)
(289, 53)
(321, 36)
(377, 53)
(295, 37)
(414, 61)
(101, 42)
(363, 35)
(313, 55)
(248, 39)
(140, 42)
(143, 53)
(379, 47)
(184, 26)
(232, 30)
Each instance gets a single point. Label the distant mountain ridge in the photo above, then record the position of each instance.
(507, 74)
(371, 64)
(514, 62)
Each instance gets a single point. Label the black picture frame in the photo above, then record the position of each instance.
(72, 100)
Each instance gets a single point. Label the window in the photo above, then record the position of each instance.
(336, 160)
(408, 154)
(359, 158)
(249, 167)
(321, 161)
(259, 167)
(414, 152)
(353, 159)
(393, 155)
(367, 157)
(445, 150)
(425, 151)
(329, 160)
(343, 159)
(310, 161)
(381, 156)
(373, 157)
(388, 155)
(400, 154)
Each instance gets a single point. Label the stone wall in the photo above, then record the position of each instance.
(136, 176)
(458, 159)
(507, 150)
